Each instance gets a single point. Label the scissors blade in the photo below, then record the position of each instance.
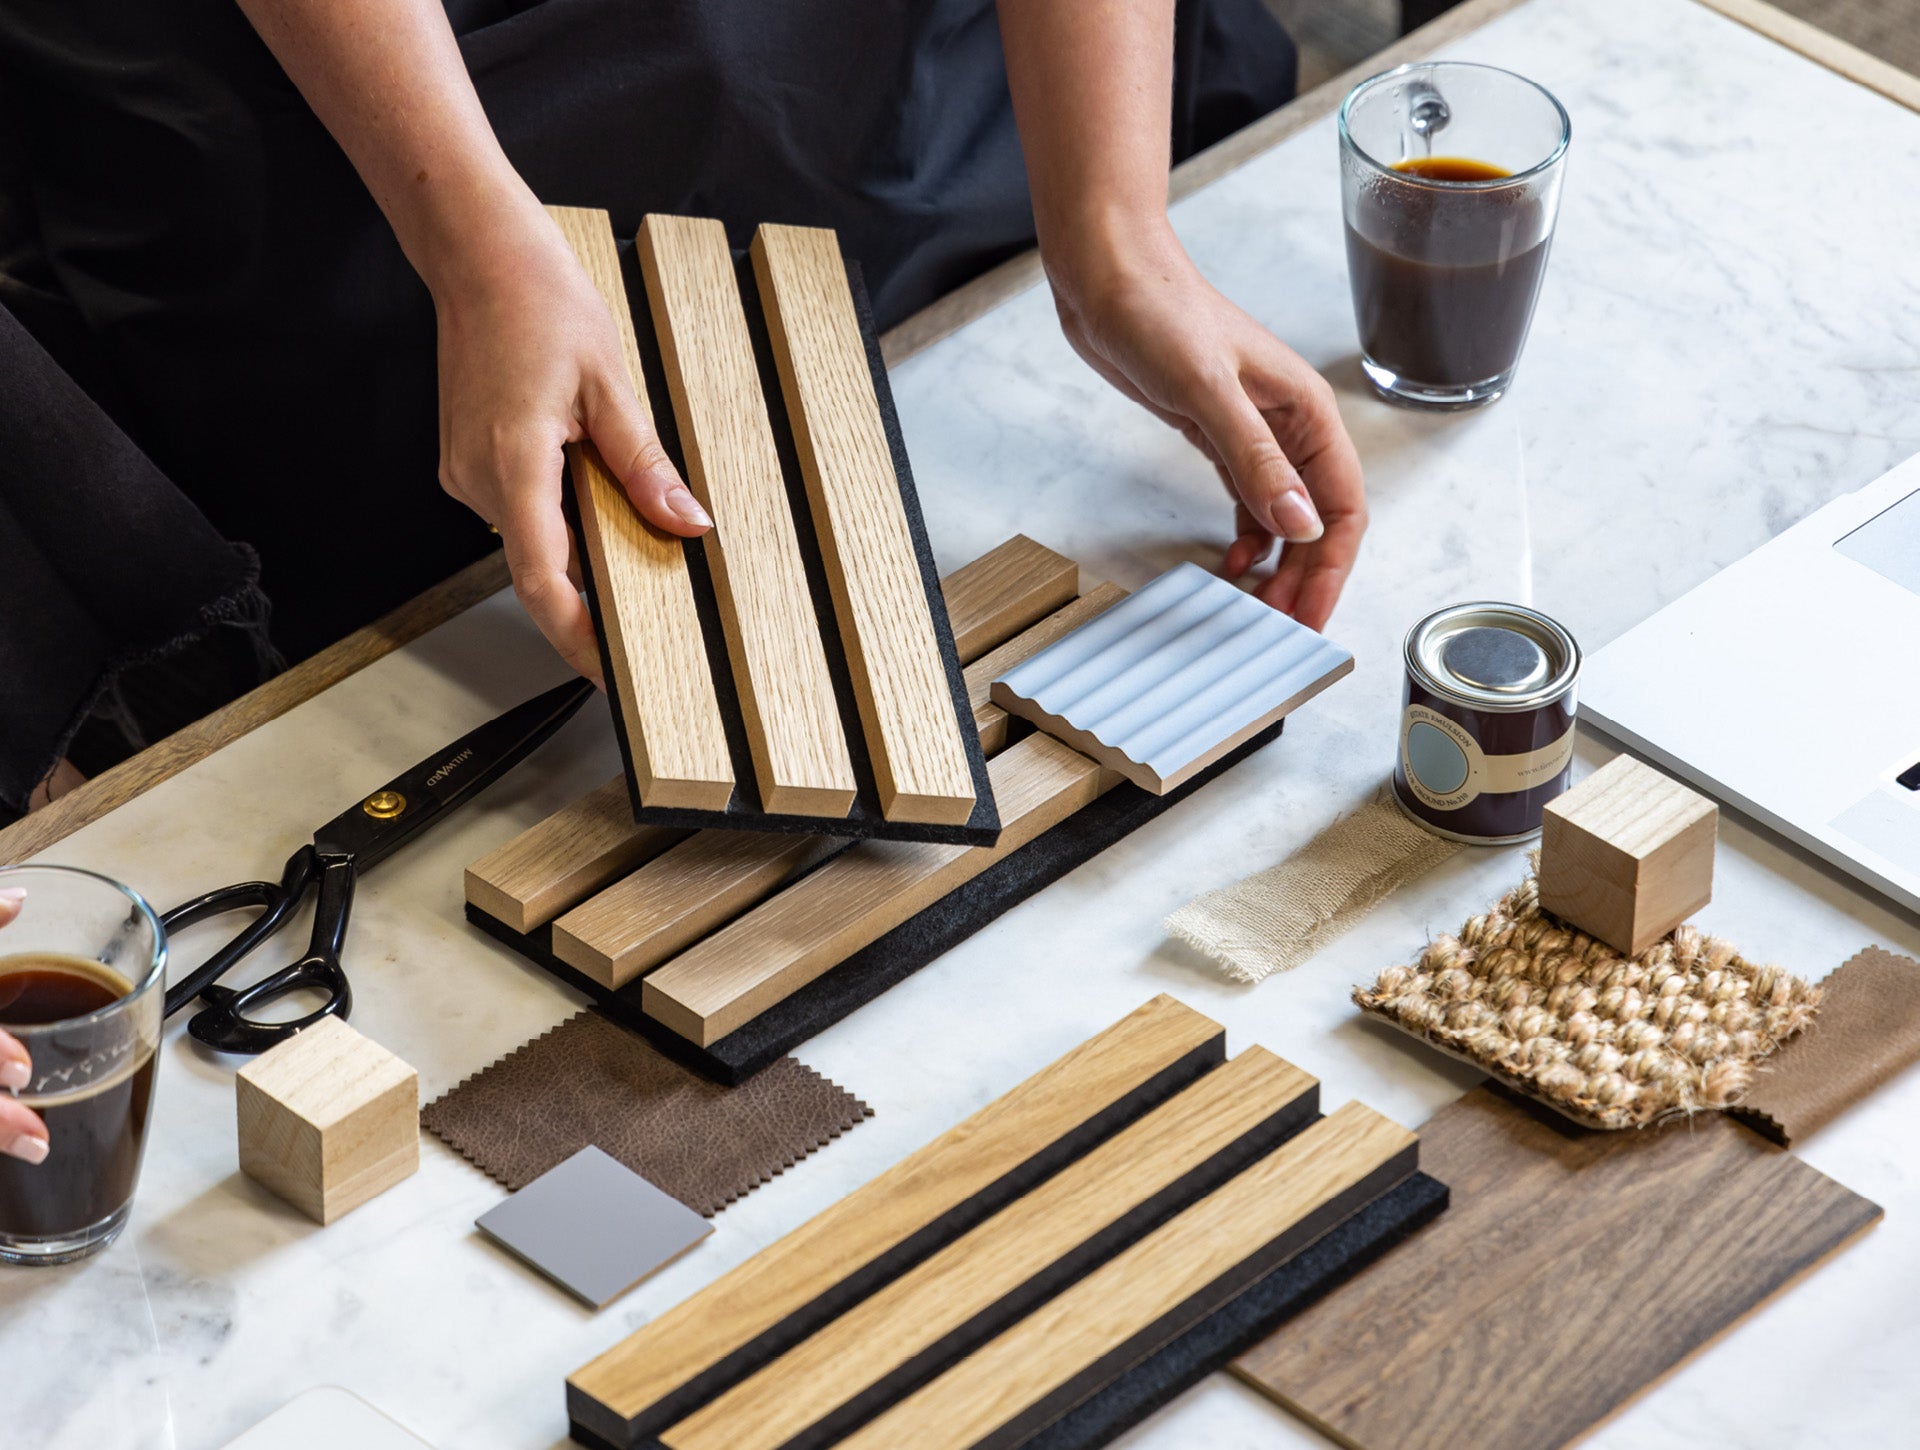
(383, 821)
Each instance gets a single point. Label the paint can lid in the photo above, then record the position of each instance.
(1490, 656)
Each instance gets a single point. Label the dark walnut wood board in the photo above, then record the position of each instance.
(1045, 1273)
(1574, 1269)
(617, 910)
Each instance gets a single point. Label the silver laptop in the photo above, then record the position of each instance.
(1788, 685)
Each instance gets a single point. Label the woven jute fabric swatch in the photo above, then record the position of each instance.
(1274, 920)
(591, 1081)
(1868, 1030)
(1610, 1041)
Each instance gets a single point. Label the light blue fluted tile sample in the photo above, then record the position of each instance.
(1171, 673)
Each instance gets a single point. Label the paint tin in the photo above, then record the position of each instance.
(1486, 721)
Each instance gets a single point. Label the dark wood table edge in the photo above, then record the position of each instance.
(140, 773)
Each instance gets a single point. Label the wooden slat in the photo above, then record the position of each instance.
(1006, 1391)
(577, 850)
(681, 1358)
(549, 866)
(774, 950)
(787, 702)
(893, 654)
(1021, 582)
(982, 1282)
(1572, 1271)
(700, 885)
(652, 637)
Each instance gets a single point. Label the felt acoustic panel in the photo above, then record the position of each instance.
(1160, 687)
(1102, 1261)
(680, 1359)
(566, 858)
(767, 620)
(1574, 1269)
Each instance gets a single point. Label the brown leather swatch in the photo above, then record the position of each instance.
(592, 1081)
(1867, 1029)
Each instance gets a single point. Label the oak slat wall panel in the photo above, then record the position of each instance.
(1012, 1387)
(580, 848)
(653, 643)
(673, 1363)
(787, 702)
(983, 1281)
(893, 655)
(731, 977)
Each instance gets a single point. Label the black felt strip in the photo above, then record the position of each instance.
(897, 955)
(594, 1425)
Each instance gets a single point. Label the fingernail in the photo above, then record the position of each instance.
(28, 1149)
(13, 895)
(15, 1074)
(1295, 518)
(681, 500)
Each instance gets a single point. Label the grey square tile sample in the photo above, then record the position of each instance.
(594, 1226)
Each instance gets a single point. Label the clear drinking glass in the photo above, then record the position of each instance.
(1450, 184)
(82, 984)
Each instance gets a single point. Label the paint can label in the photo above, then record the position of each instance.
(1446, 769)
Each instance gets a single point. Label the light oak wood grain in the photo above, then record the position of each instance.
(1572, 1270)
(990, 1396)
(328, 1119)
(651, 632)
(988, 717)
(893, 654)
(580, 849)
(549, 866)
(774, 950)
(984, 1280)
(1002, 1148)
(787, 702)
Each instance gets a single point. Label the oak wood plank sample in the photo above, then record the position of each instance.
(787, 703)
(681, 1358)
(893, 653)
(990, 719)
(737, 973)
(559, 863)
(1014, 1386)
(986, 1279)
(1574, 1268)
(549, 866)
(651, 641)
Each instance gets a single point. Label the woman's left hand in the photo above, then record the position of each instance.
(1150, 324)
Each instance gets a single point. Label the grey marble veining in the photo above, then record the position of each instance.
(1729, 335)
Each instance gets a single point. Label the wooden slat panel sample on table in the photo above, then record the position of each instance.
(985, 1280)
(1575, 1268)
(1009, 1390)
(777, 948)
(905, 700)
(683, 1357)
(559, 863)
(787, 702)
(651, 644)
(1169, 682)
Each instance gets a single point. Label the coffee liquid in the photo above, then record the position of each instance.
(1444, 281)
(95, 1136)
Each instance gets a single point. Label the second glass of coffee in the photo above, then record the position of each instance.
(1450, 185)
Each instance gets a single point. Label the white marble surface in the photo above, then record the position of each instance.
(1730, 334)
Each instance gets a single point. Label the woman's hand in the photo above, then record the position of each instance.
(1146, 320)
(22, 1134)
(530, 361)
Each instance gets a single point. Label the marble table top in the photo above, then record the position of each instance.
(1729, 335)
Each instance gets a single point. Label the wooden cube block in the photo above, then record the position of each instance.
(1627, 855)
(328, 1119)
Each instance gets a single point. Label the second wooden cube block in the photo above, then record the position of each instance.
(328, 1119)
(1627, 855)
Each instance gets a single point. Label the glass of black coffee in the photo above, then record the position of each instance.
(82, 984)
(1450, 182)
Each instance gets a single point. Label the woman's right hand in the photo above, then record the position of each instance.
(22, 1134)
(530, 361)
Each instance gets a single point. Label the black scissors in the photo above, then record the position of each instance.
(356, 839)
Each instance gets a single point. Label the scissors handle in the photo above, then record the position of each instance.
(225, 1024)
(279, 901)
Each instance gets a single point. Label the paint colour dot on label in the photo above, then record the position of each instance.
(1438, 763)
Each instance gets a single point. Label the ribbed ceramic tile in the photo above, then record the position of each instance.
(1167, 681)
